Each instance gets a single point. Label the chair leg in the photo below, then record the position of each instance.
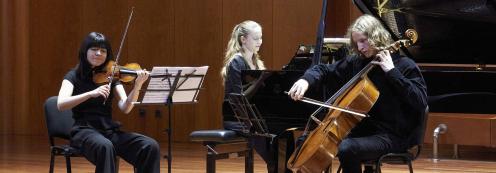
(68, 163)
(378, 166)
(52, 162)
(117, 165)
(211, 160)
(249, 159)
(410, 166)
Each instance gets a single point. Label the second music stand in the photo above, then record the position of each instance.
(248, 116)
(169, 85)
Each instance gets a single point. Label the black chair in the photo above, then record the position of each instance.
(59, 124)
(416, 140)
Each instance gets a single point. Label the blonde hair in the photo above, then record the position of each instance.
(377, 35)
(234, 45)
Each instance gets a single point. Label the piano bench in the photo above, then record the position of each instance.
(213, 138)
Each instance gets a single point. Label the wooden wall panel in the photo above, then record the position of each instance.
(21, 70)
(493, 133)
(5, 72)
(54, 44)
(260, 11)
(150, 44)
(295, 23)
(162, 33)
(479, 133)
(15, 64)
(341, 14)
(197, 27)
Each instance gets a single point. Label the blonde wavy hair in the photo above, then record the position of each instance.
(377, 35)
(234, 45)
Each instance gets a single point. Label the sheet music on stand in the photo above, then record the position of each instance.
(183, 83)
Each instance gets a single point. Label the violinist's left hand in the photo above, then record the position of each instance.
(384, 60)
(142, 76)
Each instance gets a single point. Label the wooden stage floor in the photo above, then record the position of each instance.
(28, 154)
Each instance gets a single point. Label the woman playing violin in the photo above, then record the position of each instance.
(402, 94)
(94, 131)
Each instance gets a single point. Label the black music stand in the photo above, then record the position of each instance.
(252, 123)
(169, 85)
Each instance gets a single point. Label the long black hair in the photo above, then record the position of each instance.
(94, 39)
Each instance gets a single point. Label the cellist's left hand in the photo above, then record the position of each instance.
(384, 60)
(142, 76)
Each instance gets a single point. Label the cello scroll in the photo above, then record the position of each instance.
(412, 36)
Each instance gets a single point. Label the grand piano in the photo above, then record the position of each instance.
(455, 51)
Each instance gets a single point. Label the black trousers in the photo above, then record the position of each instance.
(101, 148)
(366, 143)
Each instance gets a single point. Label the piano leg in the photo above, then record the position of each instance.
(284, 147)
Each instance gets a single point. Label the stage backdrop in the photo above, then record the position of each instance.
(40, 41)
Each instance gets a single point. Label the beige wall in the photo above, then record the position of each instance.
(40, 39)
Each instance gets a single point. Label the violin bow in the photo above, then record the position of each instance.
(120, 50)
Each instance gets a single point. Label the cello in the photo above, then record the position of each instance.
(348, 106)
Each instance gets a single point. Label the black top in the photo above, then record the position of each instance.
(92, 112)
(402, 90)
(233, 81)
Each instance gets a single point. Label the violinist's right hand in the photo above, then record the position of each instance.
(298, 89)
(103, 91)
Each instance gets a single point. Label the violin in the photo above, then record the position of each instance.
(125, 74)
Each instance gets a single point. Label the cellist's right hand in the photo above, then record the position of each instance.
(103, 91)
(298, 89)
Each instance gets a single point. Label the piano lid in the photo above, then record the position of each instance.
(450, 31)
